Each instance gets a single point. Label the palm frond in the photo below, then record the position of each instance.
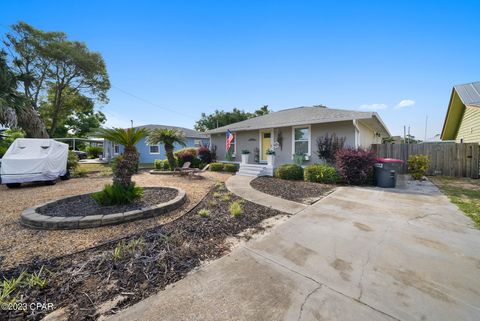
(127, 137)
(166, 136)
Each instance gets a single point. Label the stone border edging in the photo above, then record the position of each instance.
(31, 218)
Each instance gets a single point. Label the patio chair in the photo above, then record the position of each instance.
(184, 170)
(196, 171)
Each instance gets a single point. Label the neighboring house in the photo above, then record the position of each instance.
(296, 130)
(149, 153)
(462, 122)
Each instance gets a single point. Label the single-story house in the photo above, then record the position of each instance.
(296, 130)
(462, 122)
(149, 153)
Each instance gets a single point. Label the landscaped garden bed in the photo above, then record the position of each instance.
(297, 191)
(133, 268)
(85, 205)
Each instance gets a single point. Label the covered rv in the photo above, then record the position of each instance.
(32, 160)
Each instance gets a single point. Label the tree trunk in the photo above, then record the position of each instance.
(126, 167)
(30, 122)
(170, 157)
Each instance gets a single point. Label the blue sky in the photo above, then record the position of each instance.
(186, 57)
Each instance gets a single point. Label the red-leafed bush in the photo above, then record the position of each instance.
(205, 154)
(355, 166)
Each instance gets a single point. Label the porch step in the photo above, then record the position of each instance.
(255, 170)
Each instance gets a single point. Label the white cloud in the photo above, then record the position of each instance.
(405, 103)
(373, 107)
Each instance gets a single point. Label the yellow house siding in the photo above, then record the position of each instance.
(469, 129)
(367, 136)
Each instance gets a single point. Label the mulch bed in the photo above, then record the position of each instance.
(138, 266)
(85, 205)
(297, 191)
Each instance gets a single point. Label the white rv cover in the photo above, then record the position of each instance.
(30, 160)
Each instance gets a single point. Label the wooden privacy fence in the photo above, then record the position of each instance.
(448, 159)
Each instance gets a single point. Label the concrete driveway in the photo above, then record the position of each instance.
(359, 254)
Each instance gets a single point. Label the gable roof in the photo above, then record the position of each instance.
(462, 95)
(190, 133)
(303, 116)
(469, 93)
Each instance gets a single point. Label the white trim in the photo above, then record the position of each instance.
(150, 151)
(260, 140)
(309, 154)
(357, 133)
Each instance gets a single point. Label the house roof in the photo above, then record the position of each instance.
(462, 95)
(469, 93)
(304, 116)
(186, 131)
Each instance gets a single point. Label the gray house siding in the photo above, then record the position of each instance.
(367, 136)
(284, 154)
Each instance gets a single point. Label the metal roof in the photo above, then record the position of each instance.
(186, 131)
(469, 93)
(302, 116)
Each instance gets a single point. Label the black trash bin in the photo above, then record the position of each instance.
(386, 171)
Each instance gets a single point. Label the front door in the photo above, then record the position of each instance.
(266, 144)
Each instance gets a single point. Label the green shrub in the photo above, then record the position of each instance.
(418, 165)
(204, 212)
(216, 167)
(321, 174)
(80, 172)
(94, 151)
(231, 168)
(10, 136)
(289, 171)
(158, 163)
(117, 194)
(72, 161)
(236, 209)
(186, 155)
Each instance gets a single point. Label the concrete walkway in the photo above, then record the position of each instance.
(240, 185)
(358, 254)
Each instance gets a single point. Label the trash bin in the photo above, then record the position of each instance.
(386, 171)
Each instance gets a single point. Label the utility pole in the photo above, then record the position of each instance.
(426, 122)
(404, 134)
(131, 122)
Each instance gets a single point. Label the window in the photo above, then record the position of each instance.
(233, 148)
(197, 142)
(116, 149)
(301, 140)
(154, 149)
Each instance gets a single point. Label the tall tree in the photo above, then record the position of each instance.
(76, 115)
(48, 61)
(11, 102)
(221, 118)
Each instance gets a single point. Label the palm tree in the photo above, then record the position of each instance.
(127, 163)
(167, 137)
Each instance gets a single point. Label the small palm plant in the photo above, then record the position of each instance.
(125, 165)
(167, 137)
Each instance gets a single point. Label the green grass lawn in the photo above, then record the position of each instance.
(105, 168)
(463, 192)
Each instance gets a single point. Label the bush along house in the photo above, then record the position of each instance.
(149, 153)
(281, 137)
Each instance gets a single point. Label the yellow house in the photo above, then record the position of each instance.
(462, 122)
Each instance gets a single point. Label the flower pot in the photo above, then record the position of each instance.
(270, 160)
(245, 158)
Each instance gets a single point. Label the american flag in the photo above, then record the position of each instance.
(229, 140)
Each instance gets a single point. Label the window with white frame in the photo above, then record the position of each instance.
(154, 149)
(116, 149)
(301, 140)
(197, 142)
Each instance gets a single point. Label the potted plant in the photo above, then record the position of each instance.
(245, 154)
(270, 156)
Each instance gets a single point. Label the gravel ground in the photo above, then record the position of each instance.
(20, 245)
(297, 191)
(85, 205)
(83, 283)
